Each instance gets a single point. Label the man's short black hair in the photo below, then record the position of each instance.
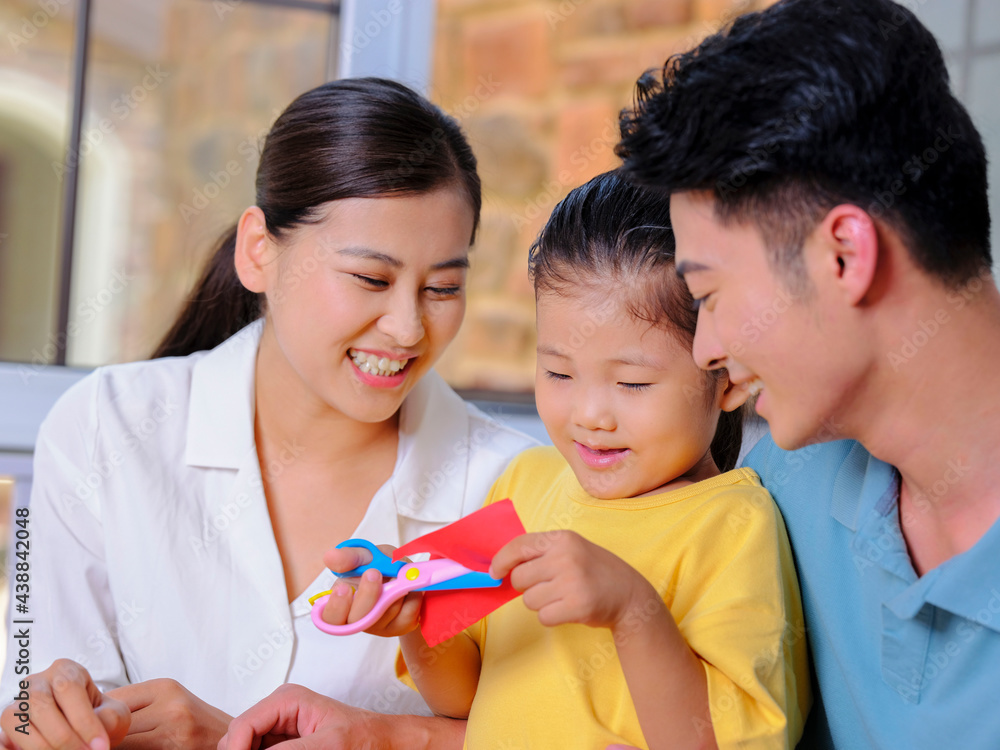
(811, 103)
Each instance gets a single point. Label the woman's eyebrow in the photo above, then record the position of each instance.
(367, 253)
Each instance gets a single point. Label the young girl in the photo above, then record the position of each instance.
(660, 606)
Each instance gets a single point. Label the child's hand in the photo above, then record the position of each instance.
(346, 605)
(565, 578)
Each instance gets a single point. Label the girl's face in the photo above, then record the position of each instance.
(361, 304)
(623, 401)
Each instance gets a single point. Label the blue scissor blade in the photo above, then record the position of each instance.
(474, 580)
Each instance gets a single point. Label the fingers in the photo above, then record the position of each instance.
(116, 718)
(367, 595)
(518, 550)
(338, 605)
(400, 618)
(136, 696)
(343, 559)
(63, 702)
(277, 714)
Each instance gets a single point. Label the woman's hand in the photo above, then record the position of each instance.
(167, 715)
(65, 711)
(347, 605)
(565, 578)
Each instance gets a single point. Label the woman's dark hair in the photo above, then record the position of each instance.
(613, 231)
(809, 103)
(352, 138)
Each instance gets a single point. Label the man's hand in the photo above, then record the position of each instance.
(304, 720)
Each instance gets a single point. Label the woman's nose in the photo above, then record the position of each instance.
(403, 320)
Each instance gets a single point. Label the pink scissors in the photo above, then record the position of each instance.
(432, 575)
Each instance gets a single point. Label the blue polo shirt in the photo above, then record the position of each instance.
(900, 661)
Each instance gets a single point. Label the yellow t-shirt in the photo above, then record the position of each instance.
(717, 553)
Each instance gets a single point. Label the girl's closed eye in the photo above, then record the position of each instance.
(555, 375)
(635, 386)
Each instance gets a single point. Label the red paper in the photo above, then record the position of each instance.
(471, 541)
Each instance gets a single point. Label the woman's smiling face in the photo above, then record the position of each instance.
(361, 304)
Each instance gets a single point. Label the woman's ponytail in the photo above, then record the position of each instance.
(218, 307)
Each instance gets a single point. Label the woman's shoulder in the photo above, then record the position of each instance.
(121, 384)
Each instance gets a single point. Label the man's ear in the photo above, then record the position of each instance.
(730, 397)
(849, 243)
(254, 250)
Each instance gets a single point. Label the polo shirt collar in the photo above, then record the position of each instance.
(221, 405)
(967, 585)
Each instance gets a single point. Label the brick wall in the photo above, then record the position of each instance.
(538, 85)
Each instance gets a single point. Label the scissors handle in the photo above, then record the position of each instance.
(380, 561)
(412, 576)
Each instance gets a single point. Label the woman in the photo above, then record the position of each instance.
(181, 506)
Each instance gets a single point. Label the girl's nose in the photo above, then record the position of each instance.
(592, 412)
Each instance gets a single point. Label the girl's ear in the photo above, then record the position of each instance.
(253, 250)
(731, 397)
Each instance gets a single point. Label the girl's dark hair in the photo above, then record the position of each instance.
(618, 232)
(352, 138)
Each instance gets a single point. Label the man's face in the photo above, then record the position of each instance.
(773, 338)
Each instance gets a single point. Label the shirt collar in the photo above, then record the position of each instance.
(434, 437)
(861, 482)
(221, 405)
(968, 584)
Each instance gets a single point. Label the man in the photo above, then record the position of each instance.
(829, 199)
(828, 195)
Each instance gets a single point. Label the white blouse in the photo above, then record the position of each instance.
(152, 552)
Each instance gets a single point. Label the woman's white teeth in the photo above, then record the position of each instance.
(369, 363)
(754, 387)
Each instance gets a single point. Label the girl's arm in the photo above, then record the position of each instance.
(664, 676)
(446, 675)
(567, 579)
